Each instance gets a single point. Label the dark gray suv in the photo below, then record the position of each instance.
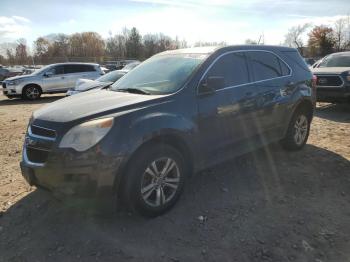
(178, 112)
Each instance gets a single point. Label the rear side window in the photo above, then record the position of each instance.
(266, 65)
(232, 67)
(69, 69)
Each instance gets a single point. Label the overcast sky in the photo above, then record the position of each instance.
(232, 21)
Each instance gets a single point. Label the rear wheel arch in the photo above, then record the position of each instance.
(307, 106)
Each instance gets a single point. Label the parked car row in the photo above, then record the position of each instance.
(333, 77)
(53, 78)
(57, 78)
(138, 141)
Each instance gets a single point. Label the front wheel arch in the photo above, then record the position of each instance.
(31, 85)
(170, 140)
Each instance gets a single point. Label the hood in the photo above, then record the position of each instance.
(21, 77)
(87, 84)
(330, 70)
(91, 104)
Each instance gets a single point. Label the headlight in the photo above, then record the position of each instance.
(348, 76)
(13, 82)
(86, 135)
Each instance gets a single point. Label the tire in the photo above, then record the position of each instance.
(31, 92)
(298, 131)
(151, 193)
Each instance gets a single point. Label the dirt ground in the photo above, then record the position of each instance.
(269, 205)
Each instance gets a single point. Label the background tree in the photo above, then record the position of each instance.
(294, 37)
(133, 44)
(200, 43)
(21, 56)
(342, 34)
(321, 41)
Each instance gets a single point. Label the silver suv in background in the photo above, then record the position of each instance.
(55, 78)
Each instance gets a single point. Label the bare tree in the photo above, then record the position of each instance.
(341, 33)
(294, 37)
(21, 55)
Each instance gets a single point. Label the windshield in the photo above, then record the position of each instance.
(338, 60)
(131, 66)
(162, 74)
(41, 70)
(110, 77)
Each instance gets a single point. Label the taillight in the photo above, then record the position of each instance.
(314, 82)
(313, 87)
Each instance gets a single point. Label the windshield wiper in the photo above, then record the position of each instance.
(133, 90)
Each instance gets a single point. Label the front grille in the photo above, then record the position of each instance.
(40, 131)
(37, 155)
(329, 80)
(3, 85)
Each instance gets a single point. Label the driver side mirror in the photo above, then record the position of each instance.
(48, 74)
(210, 84)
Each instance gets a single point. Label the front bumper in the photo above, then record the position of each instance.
(10, 90)
(90, 174)
(333, 94)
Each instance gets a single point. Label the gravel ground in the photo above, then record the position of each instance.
(269, 205)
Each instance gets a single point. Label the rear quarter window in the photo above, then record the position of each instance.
(295, 58)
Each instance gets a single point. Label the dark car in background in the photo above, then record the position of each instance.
(333, 78)
(176, 113)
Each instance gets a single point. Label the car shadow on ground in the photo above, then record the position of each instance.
(42, 100)
(335, 112)
(268, 205)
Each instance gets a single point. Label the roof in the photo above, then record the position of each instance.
(75, 63)
(212, 49)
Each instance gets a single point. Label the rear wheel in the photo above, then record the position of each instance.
(155, 180)
(298, 131)
(31, 92)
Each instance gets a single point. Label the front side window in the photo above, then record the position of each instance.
(56, 70)
(161, 74)
(266, 65)
(232, 67)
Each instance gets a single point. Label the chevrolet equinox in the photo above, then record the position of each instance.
(176, 113)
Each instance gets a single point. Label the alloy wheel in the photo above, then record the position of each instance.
(32, 92)
(301, 129)
(160, 182)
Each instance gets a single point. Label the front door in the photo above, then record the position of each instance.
(54, 79)
(224, 115)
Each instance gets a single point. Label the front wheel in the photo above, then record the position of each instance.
(31, 92)
(155, 180)
(298, 131)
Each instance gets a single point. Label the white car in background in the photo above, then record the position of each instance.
(55, 78)
(83, 85)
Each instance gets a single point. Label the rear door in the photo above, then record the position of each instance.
(272, 88)
(75, 71)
